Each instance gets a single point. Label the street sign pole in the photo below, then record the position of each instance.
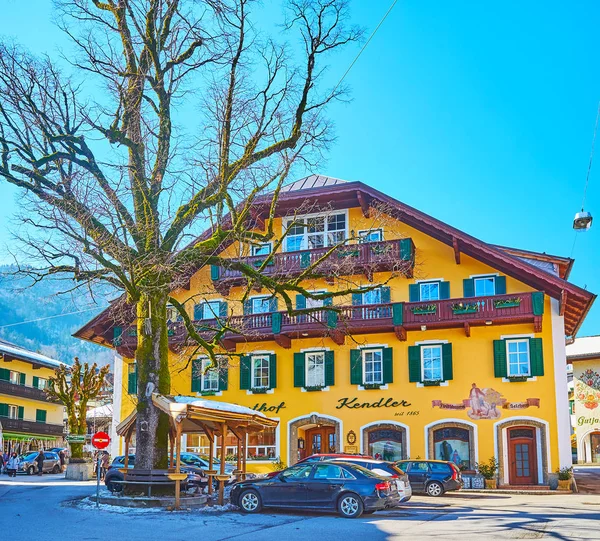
(98, 481)
(100, 440)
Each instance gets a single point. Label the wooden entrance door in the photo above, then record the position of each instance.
(522, 456)
(320, 440)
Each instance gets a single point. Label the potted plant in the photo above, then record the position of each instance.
(465, 307)
(424, 309)
(564, 478)
(488, 470)
(507, 303)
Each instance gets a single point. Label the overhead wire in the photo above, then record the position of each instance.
(51, 317)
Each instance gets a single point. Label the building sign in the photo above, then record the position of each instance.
(266, 408)
(353, 403)
(484, 403)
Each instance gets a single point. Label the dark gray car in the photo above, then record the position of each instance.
(51, 463)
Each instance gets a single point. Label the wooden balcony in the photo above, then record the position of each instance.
(338, 323)
(22, 391)
(365, 258)
(31, 427)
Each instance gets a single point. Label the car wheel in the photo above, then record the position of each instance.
(113, 487)
(56, 469)
(350, 506)
(435, 489)
(250, 501)
(30, 470)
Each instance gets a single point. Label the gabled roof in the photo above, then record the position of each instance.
(552, 263)
(581, 349)
(14, 351)
(334, 194)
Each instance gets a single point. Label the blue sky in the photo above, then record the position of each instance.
(479, 113)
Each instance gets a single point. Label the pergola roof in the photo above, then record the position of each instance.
(202, 416)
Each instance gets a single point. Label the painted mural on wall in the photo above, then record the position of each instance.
(486, 403)
(587, 389)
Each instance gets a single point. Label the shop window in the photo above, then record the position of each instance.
(453, 444)
(259, 446)
(386, 444)
(595, 447)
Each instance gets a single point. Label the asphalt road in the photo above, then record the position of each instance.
(52, 509)
(588, 479)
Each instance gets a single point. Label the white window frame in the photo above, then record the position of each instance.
(15, 409)
(310, 301)
(432, 346)
(253, 360)
(261, 298)
(17, 377)
(363, 233)
(480, 278)
(364, 353)
(518, 340)
(204, 379)
(206, 306)
(320, 353)
(429, 283)
(371, 291)
(304, 245)
(255, 247)
(42, 387)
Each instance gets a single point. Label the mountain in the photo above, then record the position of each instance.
(39, 318)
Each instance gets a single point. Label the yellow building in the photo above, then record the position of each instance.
(27, 419)
(584, 354)
(457, 354)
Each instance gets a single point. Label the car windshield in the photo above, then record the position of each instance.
(29, 456)
(367, 473)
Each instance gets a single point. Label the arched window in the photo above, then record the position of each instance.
(454, 445)
(385, 442)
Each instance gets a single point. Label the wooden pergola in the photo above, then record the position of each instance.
(192, 415)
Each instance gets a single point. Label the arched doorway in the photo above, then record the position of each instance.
(386, 441)
(453, 441)
(315, 433)
(593, 438)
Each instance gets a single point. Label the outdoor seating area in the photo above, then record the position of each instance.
(190, 415)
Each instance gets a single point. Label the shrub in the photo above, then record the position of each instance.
(488, 469)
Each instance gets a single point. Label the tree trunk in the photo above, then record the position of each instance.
(152, 429)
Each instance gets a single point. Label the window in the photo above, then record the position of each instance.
(308, 233)
(453, 444)
(485, 286)
(209, 378)
(429, 291)
(13, 412)
(261, 249)
(260, 372)
(314, 303)
(431, 359)
(261, 445)
(173, 314)
(372, 297)
(327, 471)
(210, 309)
(419, 467)
(373, 366)
(386, 443)
(518, 358)
(40, 383)
(15, 377)
(261, 305)
(370, 235)
(297, 473)
(315, 369)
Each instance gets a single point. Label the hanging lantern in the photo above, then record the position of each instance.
(582, 221)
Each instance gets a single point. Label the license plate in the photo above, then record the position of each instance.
(394, 486)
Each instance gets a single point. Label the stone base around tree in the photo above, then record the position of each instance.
(144, 502)
(79, 471)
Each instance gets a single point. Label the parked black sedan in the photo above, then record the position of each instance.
(350, 489)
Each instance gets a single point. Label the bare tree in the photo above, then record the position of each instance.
(116, 190)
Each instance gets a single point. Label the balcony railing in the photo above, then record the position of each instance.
(23, 391)
(30, 427)
(365, 258)
(363, 319)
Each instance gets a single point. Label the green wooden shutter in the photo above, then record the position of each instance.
(414, 292)
(272, 371)
(468, 287)
(414, 364)
(117, 332)
(447, 361)
(444, 290)
(329, 368)
(199, 311)
(247, 307)
(406, 249)
(245, 368)
(223, 309)
(536, 357)
(385, 295)
(215, 272)
(500, 366)
(332, 319)
(223, 376)
(388, 365)
(36, 382)
(356, 369)
(276, 319)
(273, 304)
(3, 410)
(305, 260)
(537, 302)
(4, 374)
(132, 379)
(300, 302)
(299, 370)
(398, 313)
(21, 379)
(196, 375)
(500, 285)
(40, 416)
(356, 299)
(21, 412)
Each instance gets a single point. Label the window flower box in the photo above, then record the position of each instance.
(517, 378)
(348, 253)
(372, 385)
(424, 309)
(381, 249)
(260, 390)
(314, 388)
(208, 393)
(465, 308)
(432, 382)
(507, 303)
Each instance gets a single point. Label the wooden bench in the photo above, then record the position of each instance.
(150, 478)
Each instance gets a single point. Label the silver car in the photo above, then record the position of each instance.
(29, 465)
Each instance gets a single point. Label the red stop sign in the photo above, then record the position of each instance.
(100, 440)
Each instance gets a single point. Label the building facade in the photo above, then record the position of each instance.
(584, 356)
(27, 419)
(454, 349)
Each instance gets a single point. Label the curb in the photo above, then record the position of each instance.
(508, 491)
